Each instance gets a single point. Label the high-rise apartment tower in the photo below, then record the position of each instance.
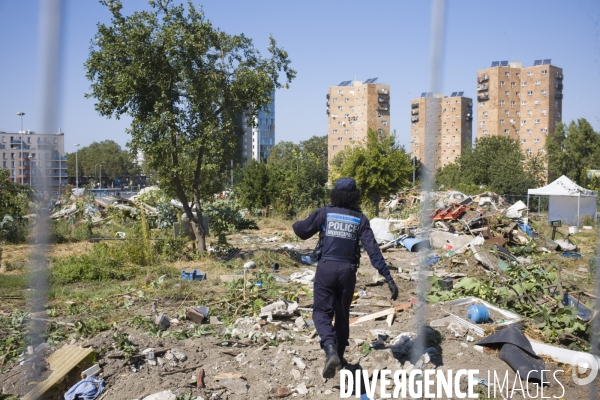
(447, 120)
(259, 137)
(523, 103)
(354, 107)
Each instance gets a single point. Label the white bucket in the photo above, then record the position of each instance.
(573, 230)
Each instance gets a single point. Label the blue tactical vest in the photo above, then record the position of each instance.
(340, 235)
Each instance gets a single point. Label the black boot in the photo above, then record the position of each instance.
(331, 362)
(343, 361)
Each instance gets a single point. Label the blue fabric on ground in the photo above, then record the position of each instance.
(527, 229)
(86, 389)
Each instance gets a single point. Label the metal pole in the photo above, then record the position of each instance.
(539, 198)
(76, 165)
(100, 176)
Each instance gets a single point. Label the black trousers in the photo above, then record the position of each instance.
(333, 291)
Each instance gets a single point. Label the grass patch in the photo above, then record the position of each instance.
(13, 284)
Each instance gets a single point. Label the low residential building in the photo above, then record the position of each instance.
(36, 159)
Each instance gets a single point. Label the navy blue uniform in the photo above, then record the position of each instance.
(336, 271)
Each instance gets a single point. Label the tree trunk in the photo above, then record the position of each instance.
(198, 227)
(376, 199)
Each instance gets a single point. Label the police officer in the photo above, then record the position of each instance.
(340, 225)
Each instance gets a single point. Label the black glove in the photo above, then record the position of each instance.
(393, 288)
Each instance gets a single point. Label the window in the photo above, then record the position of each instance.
(528, 150)
(518, 113)
(443, 137)
(340, 139)
(335, 99)
(340, 123)
(518, 75)
(543, 112)
(352, 92)
(507, 74)
(558, 113)
(530, 73)
(513, 103)
(384, 123)
(351, 108)
(530, 93)
(346, 131)
(529, 112)
(335, 147)
(506, 112)
(334, 131)
(457, 115)
(501, 122)
(544, 71)
(482, 123)
(523, 141)
(346, 100)
(555, 103)
(513, 84)
(501, 102)
(506, 131)
(340, 108)
(485, 133)
(536, 140)
(380, 131)
(537, 102)
(523, 84)
(518, 94)
(544, 92)
(346, 115)
(537, 83)
(453, 109)
(501, 83)
(346, 147)
(523, 103)
(507, 93)
(341, 92)
(379, 115)
(544, 130)
(529, 131)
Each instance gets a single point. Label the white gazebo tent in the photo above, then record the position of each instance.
(567, 200)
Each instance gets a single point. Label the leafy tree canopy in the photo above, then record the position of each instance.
(497, 163)
(380, 168)
(573, 150)
(115, 161)
(183, 82)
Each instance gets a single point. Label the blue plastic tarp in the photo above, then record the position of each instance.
(87, 389)
(527, 229)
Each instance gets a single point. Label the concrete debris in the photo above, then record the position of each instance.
(281, 308)
(236, 386)
(165, 395)
(162, 321)
(299, 363)
(301, 389)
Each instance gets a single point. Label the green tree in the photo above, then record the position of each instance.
(252, 186)
(573, 150)
(14, 204)
(183, 82)
(497, 163)
(115, 161)
(380, 168)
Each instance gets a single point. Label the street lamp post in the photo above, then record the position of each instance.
(30, 171)
(100, 176)
(20, 114)
(76, 166)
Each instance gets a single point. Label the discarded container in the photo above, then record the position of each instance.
(433, 260)
(447, 284)
(250, 265)
(193, 276)
(415, 245)
(573, 230)
(275, 267)
(569, 254)
(478, 313)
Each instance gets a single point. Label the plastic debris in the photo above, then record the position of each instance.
(87, 389)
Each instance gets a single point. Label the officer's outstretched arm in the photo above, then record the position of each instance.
(307, 228)
(370, 244)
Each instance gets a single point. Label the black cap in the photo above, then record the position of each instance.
(345, 184)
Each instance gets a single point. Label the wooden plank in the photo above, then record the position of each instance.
(390, 319)
(379, 314)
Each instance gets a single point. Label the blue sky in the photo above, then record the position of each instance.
(328, 42)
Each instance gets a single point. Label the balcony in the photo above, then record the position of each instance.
(482, 87)
(559, 86)
(327, 96)
(559, 76)
(558, 96)
(414, 112)
(383, 100)
(383, 108)
(414, 119)
(414, 105)
(383, 91)
(483, 97)
(328, 111)
(482, 78)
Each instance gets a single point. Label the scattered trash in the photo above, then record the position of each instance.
(193, 276)
(197, 314)
(250, 265)
(61, 363)
(281, 308)
(162, 321)
(92, 371)
(571, 255)
(86, 389)
(478, 313)
(165, 395)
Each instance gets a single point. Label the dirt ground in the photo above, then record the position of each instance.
(294, 366)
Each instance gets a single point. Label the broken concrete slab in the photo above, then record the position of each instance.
(281, 308)
(236, 386)
(439, 239)
(165, 395)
